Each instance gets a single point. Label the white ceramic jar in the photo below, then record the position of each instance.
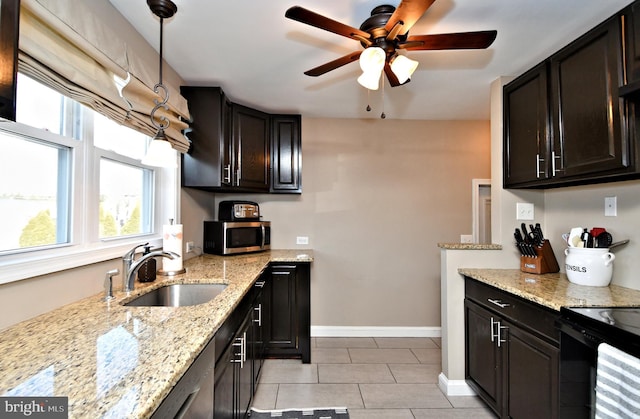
(589, 266)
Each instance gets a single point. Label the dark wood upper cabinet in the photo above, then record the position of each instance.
(526, 128)
(565, 122)
(235, 148)
(631, 31)
(250, 170)
(9, 30)
(203, 166)
(286, 162)
(588, 115)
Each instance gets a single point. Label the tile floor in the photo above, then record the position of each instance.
(375, 378)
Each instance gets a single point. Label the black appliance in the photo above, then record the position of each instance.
(238, 211)
(581, 331)
(232, 237)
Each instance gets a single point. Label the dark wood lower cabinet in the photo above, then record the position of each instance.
(512, 353)
(532, 376)
(237, 369)
(287, 326)
(272, 320)
(484, 358)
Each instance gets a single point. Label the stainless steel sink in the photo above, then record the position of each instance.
(178, 295)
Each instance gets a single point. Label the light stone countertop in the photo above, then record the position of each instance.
(554, 290)
(469, 246)
(114, 361)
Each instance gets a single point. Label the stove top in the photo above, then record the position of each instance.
(625, 318)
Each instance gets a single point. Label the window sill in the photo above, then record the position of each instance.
(29, 265)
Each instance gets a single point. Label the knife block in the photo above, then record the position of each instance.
(545, 261)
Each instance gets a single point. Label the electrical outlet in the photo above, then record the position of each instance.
(466, 238)
(302, 240)
(190, 247)
(524, 211)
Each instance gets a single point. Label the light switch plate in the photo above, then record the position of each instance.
(524, 211)
(610, 206)
(302, 240)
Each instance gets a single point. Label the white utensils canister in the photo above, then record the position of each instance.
(589, 266)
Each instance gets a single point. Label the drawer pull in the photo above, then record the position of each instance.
(499, 303)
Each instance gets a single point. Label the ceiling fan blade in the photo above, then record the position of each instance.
(462, 40)
(408, 12)
(314, 19)
(332, 65)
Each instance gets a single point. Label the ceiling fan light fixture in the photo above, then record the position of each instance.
(372, 62)
(370, 79)
(372, 59)
(403, 67)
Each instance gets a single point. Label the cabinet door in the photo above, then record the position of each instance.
(588, 117)
(224, 391)
(9, 19)
(526, 128)
(202, 165)
(281, 306)
(286, 154)
(632, 42)
(251, 148)
(532, 371)
(257, 344)
(484, 359)
(243, 364)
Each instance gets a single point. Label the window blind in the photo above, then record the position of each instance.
(64, 45)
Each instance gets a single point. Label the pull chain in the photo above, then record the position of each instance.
(368, 100)
(382, 115)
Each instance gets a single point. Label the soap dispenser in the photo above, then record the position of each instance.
(147, 271)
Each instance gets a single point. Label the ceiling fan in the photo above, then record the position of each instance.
(384, 33)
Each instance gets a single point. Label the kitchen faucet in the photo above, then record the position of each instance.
(131, 266)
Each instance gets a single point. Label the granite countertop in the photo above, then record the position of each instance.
(469, 246)
(114, 361)
(554, 290)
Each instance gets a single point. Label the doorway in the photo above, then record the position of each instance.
(481, 202)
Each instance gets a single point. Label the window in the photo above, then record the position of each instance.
(71, 184)
(125, 199)
(34, 192)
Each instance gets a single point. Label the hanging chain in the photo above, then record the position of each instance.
(164, 121)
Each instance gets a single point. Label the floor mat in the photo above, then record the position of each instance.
(323, 413)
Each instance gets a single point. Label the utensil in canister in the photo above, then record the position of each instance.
(604, 240)
(616, 244)
(574, 237)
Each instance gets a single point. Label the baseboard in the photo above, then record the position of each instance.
(375, 331)
(454, 387)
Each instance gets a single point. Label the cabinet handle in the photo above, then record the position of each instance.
(227, 173)
(553, 163)
(499, 303)
(500, 327)
(493, 334)
(238, 174)
(260, 284)
(538, 160)
(242, 343)
(259, 310)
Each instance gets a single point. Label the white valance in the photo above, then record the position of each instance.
(64, 45)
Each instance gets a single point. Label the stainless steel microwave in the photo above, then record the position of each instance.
(232, 237)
